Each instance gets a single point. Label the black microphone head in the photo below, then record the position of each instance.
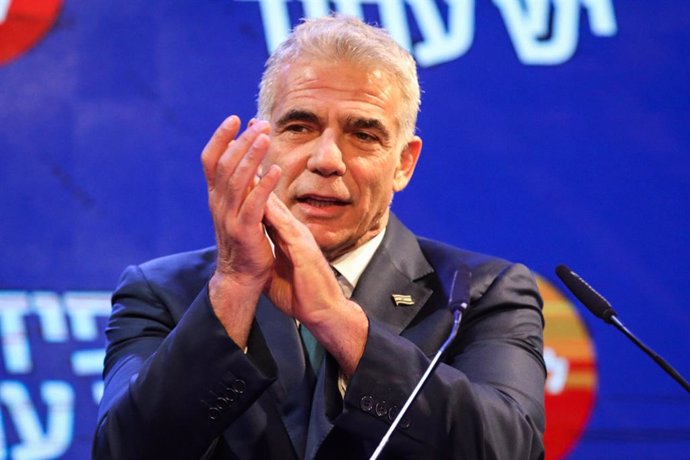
(590, 298)
(460, 290)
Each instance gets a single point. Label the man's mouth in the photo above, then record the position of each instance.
(321, 201)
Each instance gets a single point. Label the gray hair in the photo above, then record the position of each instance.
(348, 39)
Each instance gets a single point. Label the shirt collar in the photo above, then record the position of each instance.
(352, 264)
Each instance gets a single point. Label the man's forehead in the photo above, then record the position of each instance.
(316, 90)
(363, 78)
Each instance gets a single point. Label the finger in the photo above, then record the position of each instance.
(235, 152)
(254, 206)
(277, 215)
(248, 170)
(222, 137)
(286, 226)
(230, 186)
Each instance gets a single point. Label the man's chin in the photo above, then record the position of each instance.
(332, 242)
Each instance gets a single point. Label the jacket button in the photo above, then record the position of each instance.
(381, 409)
(392, 413)
(238, 386)
(405, 422)
(223, 402)
(213, 413)
(366, 403)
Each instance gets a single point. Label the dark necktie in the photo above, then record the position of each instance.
(313, 348)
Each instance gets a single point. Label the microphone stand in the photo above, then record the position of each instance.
(657, 359)
(601, 308)
(457, 316)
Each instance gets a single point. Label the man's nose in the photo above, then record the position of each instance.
(327, 159)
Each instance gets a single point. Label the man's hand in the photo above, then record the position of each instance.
(237, 198)
(298, 278)
(303, 286)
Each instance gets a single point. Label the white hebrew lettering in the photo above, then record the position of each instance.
(529, 24)
(315, 8)
(392, 13)
(393, 18)
(349, 7)
(50, 313)
(602, 19)
(16, 352)
(87, 362)
(36, 442)
(83, 308)
(557, 369)
(440, 46)
(545, 32)
(276, 20)
(277, 23)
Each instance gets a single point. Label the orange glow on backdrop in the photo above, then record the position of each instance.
(572, 374)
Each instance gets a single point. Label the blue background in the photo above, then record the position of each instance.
(586, 162)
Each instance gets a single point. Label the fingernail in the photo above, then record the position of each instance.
(229, 121)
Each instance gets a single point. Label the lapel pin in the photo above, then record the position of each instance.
(402, 300)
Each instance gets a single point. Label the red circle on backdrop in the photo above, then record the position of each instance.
(23, 23)
(571, 372)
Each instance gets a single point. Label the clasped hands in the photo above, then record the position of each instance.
(295, 275)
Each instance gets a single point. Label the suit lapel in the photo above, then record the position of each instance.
(389, 289)
(292, 392)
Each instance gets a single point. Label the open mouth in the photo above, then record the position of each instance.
(321, 201)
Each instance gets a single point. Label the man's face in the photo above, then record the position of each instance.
(335, 135)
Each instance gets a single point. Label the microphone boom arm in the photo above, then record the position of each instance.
(457, 316)
(657, 359)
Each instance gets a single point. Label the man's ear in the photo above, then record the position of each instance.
(407, 163)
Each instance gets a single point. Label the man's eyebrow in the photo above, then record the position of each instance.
(297, 115)
(370, 124)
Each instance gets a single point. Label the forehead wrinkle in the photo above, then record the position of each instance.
(299, 79)
(379, 89)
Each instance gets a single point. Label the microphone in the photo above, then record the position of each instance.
(600, 307)
(460, 290)
(458, 302)
(590, 298)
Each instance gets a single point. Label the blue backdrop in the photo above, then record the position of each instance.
(555, 132)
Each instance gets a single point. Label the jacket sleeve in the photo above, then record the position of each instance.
(485, 401)
(171, 385)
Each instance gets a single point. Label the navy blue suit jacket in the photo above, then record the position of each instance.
(176, 386)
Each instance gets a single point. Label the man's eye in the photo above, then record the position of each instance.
(296, 128)
(363, 136)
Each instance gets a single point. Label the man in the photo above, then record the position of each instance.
(208, 352)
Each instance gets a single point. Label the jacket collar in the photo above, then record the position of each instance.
(389, 289)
